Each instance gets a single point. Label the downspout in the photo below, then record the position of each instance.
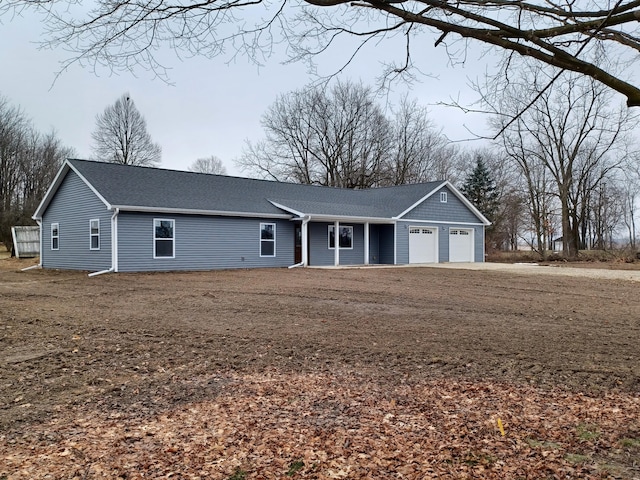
(305, 221)
(39, 265)
(114, 246)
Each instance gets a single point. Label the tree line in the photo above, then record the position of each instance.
(29, 161)
(561, 174)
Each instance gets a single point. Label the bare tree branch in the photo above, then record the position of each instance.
(125, 34)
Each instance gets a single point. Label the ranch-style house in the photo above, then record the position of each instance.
(104, 217)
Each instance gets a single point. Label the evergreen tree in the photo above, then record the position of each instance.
(480, 189)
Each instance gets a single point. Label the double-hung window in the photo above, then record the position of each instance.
(55, 236)
(94, 234)
(267, 239)
(163, 238)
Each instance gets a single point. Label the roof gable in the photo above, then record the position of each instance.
(57, 181)
(449, 187)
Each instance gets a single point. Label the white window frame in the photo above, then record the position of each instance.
(92, 235)
(273, 240)
(56, 227)
(443, 197)
(329, 232)
(156, 239)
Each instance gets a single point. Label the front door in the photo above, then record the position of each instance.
(297, 250)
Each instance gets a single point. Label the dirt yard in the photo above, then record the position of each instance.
(318, 373)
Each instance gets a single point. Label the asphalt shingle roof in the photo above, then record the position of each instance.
(129, 186)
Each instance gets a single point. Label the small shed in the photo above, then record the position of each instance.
(26, 241)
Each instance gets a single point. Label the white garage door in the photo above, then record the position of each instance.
(423, 245)
(461, 245)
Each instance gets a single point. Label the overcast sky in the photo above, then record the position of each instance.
(212, 107)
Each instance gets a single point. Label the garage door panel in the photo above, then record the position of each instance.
(423, 245)
(461, 245)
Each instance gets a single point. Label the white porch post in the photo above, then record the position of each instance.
(336, 243)
(305, 243)
(366, 243)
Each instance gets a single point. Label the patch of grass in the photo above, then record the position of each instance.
(576, 458)
(587, 432)
(473, 459)
(610, 469)
(295, 467)
(630, 443)
(239, 474)
(533, 443)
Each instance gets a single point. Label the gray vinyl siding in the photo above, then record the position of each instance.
(321, 255)
(201, 243)
(374, 244)
(386, 244)
(73, 206)
(451, 211)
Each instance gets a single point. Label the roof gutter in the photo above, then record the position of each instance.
(114, 245)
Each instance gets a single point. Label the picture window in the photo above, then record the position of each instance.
(345, 238)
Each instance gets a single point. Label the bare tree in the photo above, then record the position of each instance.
(572, 130)
(420, 151)
(212, 165)
(338, 138)
(121, 136)
(122, 34)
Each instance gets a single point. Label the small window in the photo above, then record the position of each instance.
(345, 237)
(163, 238)
(55, 236)
(267, 239)
(94, 234)
(443, 197)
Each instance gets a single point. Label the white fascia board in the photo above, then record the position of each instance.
(186, 211)
(37, 215)
(458, 195)
(53, 188)
(286, 209)
(440, 222)
(347, 218)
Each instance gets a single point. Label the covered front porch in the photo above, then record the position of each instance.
(358, 242)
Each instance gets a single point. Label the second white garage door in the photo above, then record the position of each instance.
(423, 245)
(461, 245)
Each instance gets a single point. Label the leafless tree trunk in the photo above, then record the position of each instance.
(121, 136)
